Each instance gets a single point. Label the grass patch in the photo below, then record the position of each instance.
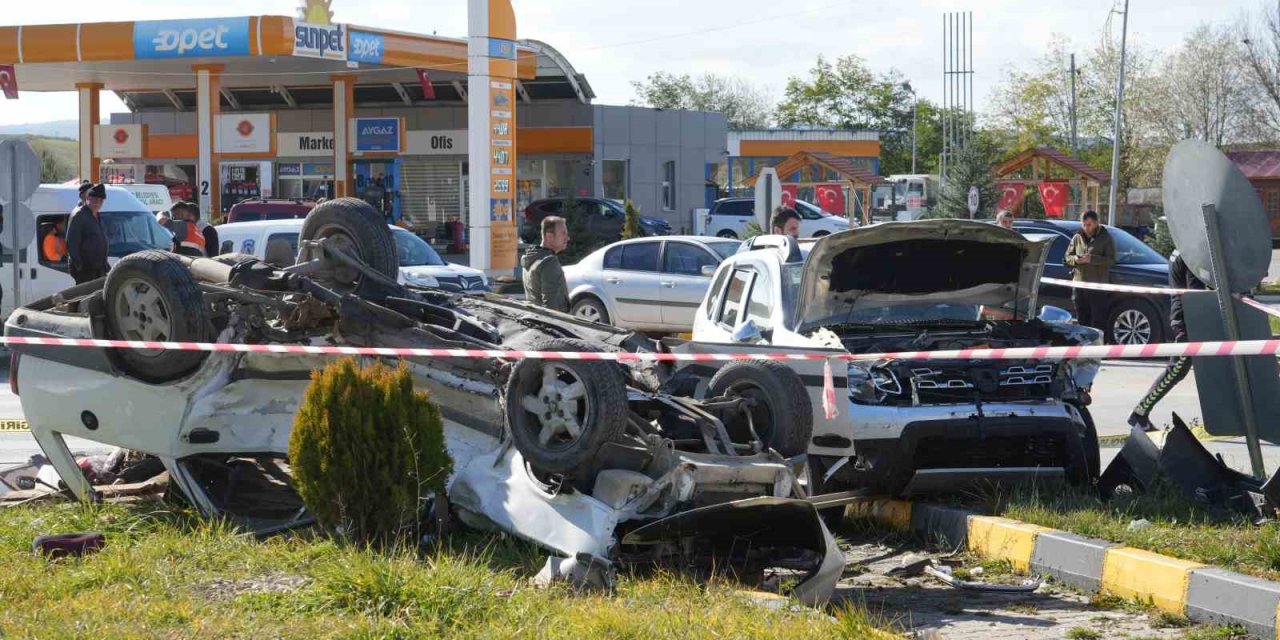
(1179, 527)
(1081, 633)
(165, 573)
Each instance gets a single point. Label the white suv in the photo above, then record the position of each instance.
(729, 217)
(913, 427)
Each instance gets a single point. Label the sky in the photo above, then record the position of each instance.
(614, 42)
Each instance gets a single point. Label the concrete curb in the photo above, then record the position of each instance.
(1202, 593)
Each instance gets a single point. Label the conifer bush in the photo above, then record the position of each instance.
(366, 450)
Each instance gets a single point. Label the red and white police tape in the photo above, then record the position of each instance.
(1166, 291)
(1240, 348)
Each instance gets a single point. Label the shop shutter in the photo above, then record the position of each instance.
(430, 192)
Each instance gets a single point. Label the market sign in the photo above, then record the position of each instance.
(313, 143)
(325, 41)
(120, 140)
(380, 135)
(191, 38)
(243, 133)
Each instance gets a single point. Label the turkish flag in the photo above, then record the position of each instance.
(789, 195)
(830, 198)
(1054, 194)
(9, 81)
(428, 91)
(1011, 194)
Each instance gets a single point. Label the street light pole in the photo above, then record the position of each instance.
(1115, 132)
(1075, 145)
(915, 114)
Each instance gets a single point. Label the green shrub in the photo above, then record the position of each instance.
(366, 448)
(631, 222)
(1161, 239)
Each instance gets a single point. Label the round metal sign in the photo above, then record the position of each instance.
(1195, 174)
(19, 171)
(18, 217)
(973, 201)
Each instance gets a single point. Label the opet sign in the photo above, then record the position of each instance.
(327, 41)
(191, 38)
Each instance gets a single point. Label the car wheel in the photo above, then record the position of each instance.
(782, 415)
(727, 234)
(357, 229)
(590, 309)
(561, 412)
(821, 234)
(151, 296)
(1134, 321)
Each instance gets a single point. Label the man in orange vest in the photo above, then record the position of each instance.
(54, 246)
(187, 238)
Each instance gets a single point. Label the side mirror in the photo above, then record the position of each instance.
(747, 333)
(1050, 313)
(708, 270)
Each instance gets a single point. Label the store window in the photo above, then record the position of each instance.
(244, 181)
(669, 186)
(304, 181)
(614, 179)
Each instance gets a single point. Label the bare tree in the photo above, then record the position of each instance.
(1260, 35)
(744, 105)
(1204, 90)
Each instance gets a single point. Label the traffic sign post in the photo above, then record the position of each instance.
(973, 202)
(19, 179)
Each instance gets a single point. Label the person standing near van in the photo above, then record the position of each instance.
(187, 238)
(85, 185)
(86, 240)
(207, 230)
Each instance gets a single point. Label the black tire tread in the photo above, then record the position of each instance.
(372, 237)
(791, 399)
(167, 273)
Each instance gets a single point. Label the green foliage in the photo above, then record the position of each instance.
(582, 239)
(1032, 205)
(58, 156)
(1161, 239)
(971, 166)
(752, 230)
(745, 106)
(366, 448)
(631, 223)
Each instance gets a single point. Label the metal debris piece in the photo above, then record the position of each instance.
(68, 545)
(911, 567)
(583, 572)
(944, 574)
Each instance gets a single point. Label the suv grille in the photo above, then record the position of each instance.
(943, 384)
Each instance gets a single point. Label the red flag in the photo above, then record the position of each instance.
(428, 91)
(1054, 194)
(1011, 194)
(789, 195)
(9, 81)
(830, 197)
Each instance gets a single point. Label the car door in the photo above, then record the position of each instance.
(682, 285)
(729, 307)
(630, 278)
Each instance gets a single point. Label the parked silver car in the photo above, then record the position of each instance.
(646, 284)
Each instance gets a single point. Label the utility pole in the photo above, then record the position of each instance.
(1115, 131)
(915, 115)
(1075, 144)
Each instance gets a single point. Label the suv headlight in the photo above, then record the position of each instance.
(872, 385)
(422, 280)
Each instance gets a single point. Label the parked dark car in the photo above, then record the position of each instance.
(1131, 318)
(268, 209)
(604, 218)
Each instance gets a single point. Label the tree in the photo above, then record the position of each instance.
(971, 166)
(1033, 105)
(1204, 89)
(631, 222)
(1260, 35)
(744, 106)
(51, 168)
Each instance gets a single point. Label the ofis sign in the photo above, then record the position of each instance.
(327, 41)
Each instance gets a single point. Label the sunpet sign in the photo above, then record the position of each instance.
(327, 41)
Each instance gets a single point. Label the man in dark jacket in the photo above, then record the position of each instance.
(1090, 256)
(86, 240)
(1180, 277)
(544, 282)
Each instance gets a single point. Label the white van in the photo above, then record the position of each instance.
(276, 242)
(129, 224)
(154, 196)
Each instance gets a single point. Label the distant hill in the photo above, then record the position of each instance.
(54, 129)
(60, 156)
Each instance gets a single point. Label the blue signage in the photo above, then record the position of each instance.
(289, 169)
(366, 47)
(191, 38)
(499, 48)
(378, 134)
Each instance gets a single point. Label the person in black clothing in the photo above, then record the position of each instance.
(1180, 277)
(207, 230)
(86, 240)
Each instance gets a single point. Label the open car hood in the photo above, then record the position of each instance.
(930, 262)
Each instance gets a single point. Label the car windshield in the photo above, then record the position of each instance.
(414, 251)
(133, 231)
(724, 249)
(1130, 250)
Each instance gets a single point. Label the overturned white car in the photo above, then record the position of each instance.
(582, 457)
(916, 426)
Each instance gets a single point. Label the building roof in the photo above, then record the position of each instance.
(804, 134)
(1056, 157)
(1260, 164)
(847, 169)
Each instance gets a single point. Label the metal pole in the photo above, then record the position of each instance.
(1222, 285)
(946, 129)
(16, 292)
(915, 114)
(1075, 144)
(1115, 133)
(969, 68)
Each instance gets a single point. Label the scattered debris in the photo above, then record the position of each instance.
(68, 545)
(583, 572)
(944, 574)
(1138, 525)
(911, 567)
(224, 589)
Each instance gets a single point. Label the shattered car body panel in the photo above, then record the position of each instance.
(671, 456)
(921, 426)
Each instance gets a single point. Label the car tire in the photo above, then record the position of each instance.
(356, 228)
(591, 309)
(536, 406)
(152, 296)
(783, 406)
(727, 234)
(1134, 321)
